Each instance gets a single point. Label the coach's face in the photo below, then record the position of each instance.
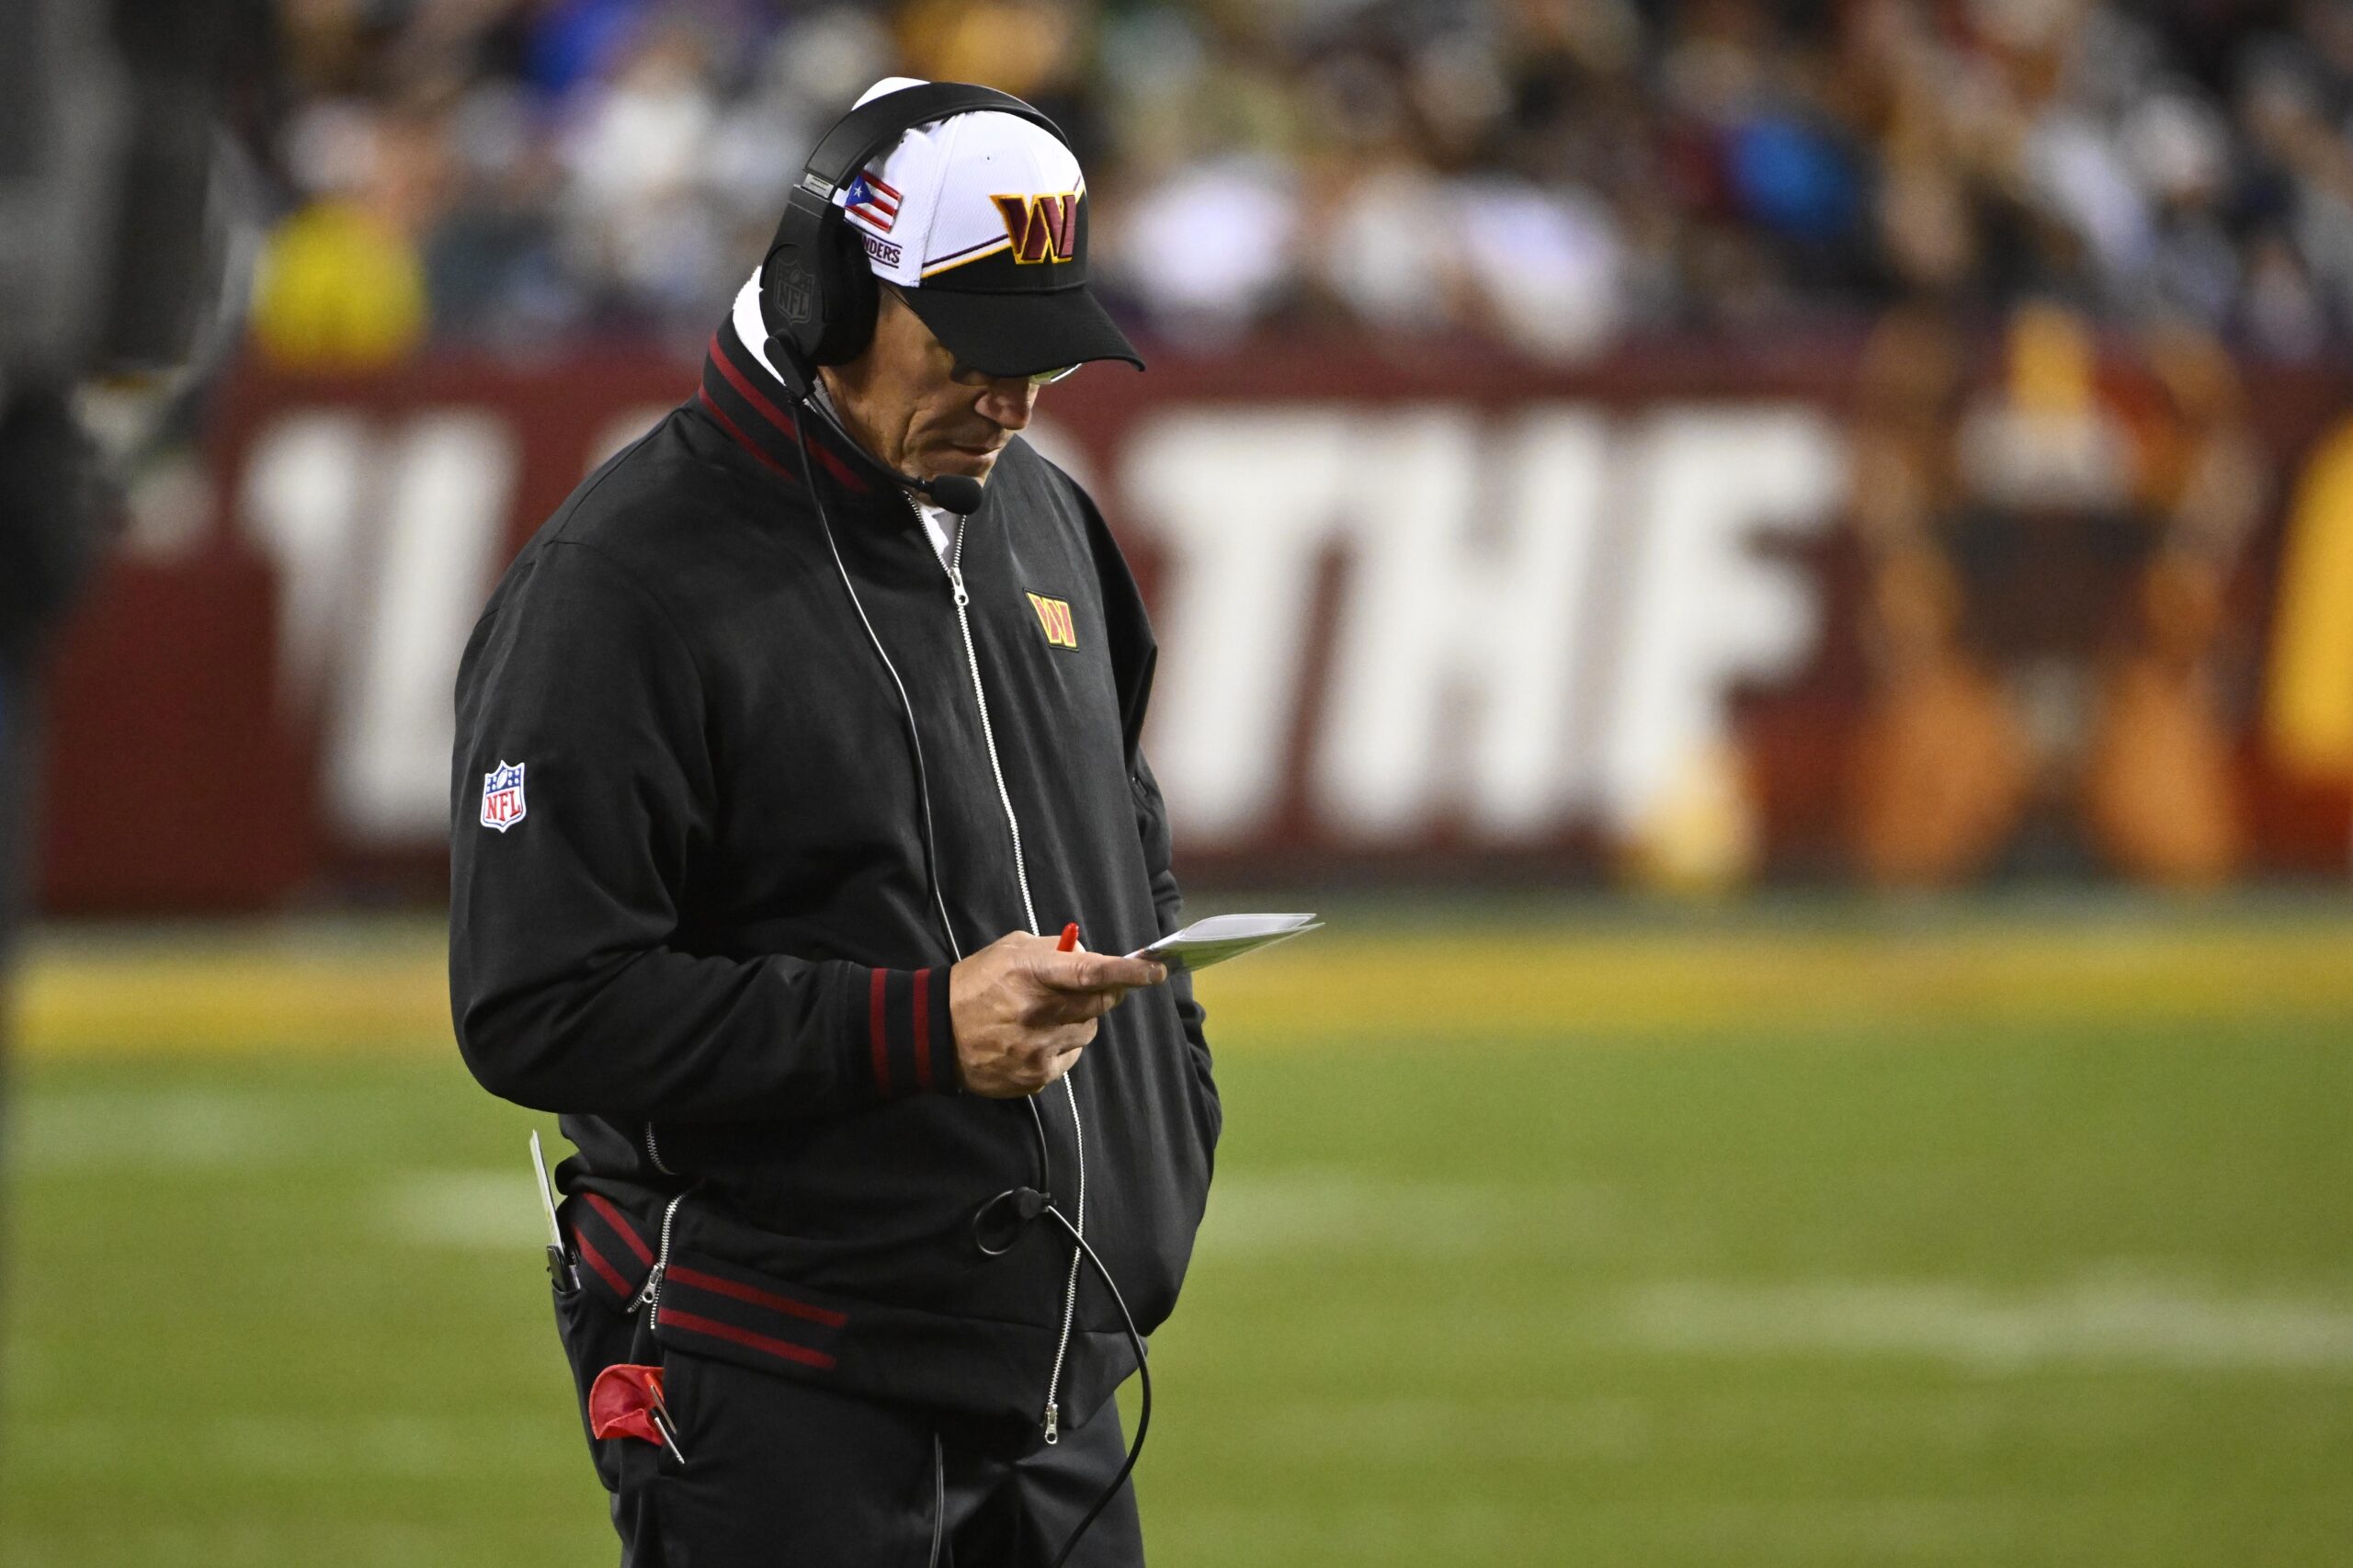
(913, 404)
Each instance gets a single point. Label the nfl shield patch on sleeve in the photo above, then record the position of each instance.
(501, 796)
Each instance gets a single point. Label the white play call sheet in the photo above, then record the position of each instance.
(1223, 937)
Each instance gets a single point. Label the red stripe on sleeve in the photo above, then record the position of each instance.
(876, 1037)
(923, 1028)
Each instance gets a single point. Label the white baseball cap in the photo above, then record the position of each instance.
(980, 220)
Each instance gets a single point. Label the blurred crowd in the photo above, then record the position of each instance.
(1555, 175)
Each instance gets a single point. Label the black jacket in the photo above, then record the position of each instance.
(712, 940)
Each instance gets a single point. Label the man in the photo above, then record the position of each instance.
(767, 777)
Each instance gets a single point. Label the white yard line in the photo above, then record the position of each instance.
(164, 1129)
(1331, 1208)
(469, 1211)
(2101, 1320)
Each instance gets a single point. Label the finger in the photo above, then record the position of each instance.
(1044, 1041)
(1073, 1006)
(1095, 971)
(1060, 1007)
(1058, 1057)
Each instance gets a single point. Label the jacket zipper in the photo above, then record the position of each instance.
(1051, 1417)
(649, 1297)
(654, 1151)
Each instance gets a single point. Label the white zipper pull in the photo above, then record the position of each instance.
(1054, 1423)
(956, 581)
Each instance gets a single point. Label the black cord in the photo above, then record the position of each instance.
(1143, 1370)
(1045, 1157)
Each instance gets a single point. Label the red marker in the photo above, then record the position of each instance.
(1068, 944)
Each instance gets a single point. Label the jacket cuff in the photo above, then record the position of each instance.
(905, 1043)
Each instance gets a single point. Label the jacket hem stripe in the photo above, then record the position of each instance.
(675, 1321)
(596, 1260)
(621, 1227)
(696, 1280)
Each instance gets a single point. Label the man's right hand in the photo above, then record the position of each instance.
(1023, 1010)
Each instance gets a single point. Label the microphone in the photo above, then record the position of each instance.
(957, 493)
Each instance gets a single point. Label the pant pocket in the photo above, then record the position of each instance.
(781, 1471)
(595, 1338)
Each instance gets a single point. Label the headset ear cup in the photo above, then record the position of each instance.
(787, 308)
(796, 294)
(851, 294)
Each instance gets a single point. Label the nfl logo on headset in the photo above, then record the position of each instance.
(501, 796)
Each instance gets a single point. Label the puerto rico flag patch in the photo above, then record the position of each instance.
(501, 796)
(872, 202)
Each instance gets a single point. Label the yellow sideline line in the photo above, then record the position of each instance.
(210, 995)
(1619, 982)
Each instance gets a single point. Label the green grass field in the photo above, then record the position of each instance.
(2013, 1238)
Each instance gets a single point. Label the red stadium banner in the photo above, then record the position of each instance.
(1690, 615)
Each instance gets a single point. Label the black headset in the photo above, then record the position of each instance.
(817, 295)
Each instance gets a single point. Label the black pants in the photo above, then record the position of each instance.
(780, 1473)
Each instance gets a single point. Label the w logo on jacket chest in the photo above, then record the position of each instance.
(1053, 615)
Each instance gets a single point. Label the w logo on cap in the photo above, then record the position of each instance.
(1044, 227)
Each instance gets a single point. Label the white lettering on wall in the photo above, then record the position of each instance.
(1539, 621)
(385, 540)
(447, 481)
(1455, 667)
(1704, 609)
(300, 504)
(1537, 627)
(1246, 501)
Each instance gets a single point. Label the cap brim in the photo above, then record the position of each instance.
(1021, 333)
